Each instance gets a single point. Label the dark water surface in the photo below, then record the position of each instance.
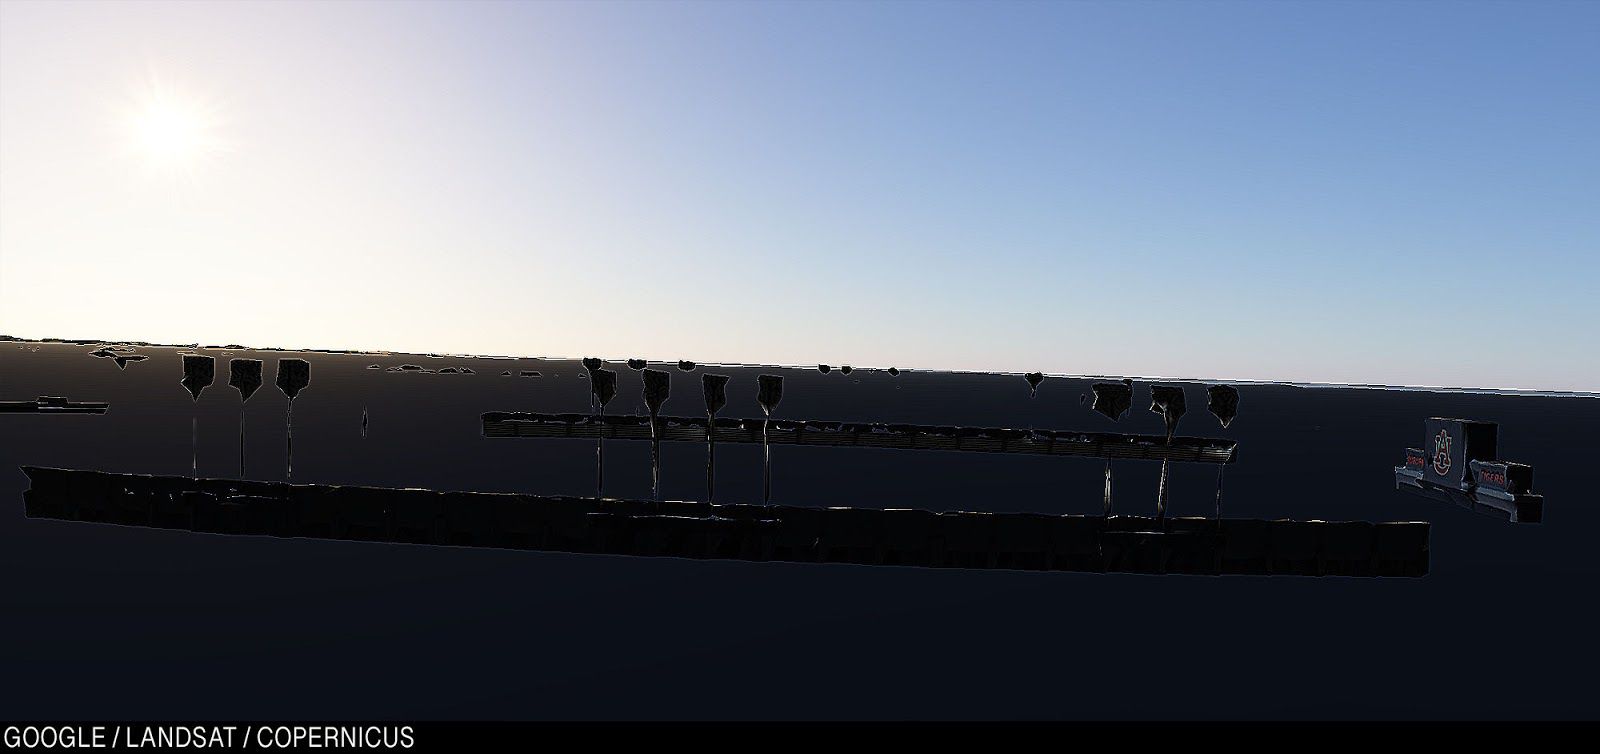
(113, 622)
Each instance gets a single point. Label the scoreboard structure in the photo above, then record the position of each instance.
(1458, 463)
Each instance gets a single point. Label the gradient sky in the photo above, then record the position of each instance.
(1401, 193)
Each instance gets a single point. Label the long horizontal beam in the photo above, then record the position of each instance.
(500, 424)
(53, 405)
(863, 536)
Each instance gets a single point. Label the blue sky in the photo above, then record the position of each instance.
(1398, 193)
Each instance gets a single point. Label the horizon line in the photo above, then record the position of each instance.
(1143, 378)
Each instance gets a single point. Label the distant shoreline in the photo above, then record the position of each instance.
(733, 365)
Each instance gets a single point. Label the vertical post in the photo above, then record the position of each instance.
(288, 440)
(1108, 488)
(769, 395)
(1161, 492)
(1111, 400)
(1223, 402)
(293, 376)
(198, 374)
(1220, 468)
(602, 388)
(657, 388)
(591, 365)
(715, 387)
(244, 375)
(1166, 400)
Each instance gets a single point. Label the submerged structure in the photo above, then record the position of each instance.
(1458, 464)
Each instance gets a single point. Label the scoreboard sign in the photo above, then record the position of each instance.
(1491, 475)
(1505, 476)
(1416, 459)
(1450, 444)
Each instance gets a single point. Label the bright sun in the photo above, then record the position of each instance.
(168, 132)
(172, 131)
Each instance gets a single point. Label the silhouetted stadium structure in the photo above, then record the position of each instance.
(896, 537)
(293, 376)
(198, 374)
(907, 537)
(602, 388)
(715, 387)
(1457, 464)
(53, 404)
(244, 375)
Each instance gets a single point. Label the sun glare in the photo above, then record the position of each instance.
(172, 131)
(168, 132)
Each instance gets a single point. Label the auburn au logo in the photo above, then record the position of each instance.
(1441, 453)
